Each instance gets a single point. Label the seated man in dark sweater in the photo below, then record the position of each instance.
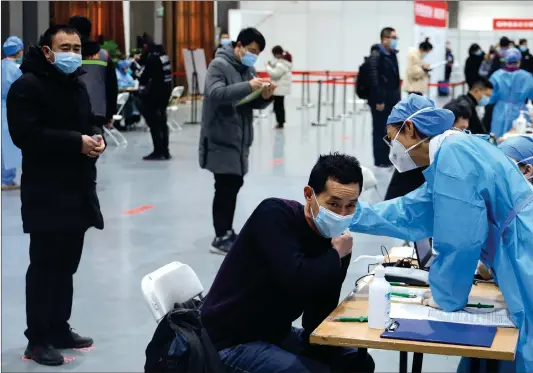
(479, 94)
(289, 259)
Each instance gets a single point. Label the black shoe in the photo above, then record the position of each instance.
(232, 235)
(221, 245)
(72, 340)
(167, 156)
(154, 157)
(44, 355)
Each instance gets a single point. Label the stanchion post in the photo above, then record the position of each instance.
(318, 111)
(302, 103)
(309, 104)
(344, 113)
(328, 96)
(453, 90)
(463, 91)
(333, 117)
(354, 107)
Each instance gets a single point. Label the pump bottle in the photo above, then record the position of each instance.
(379, 301)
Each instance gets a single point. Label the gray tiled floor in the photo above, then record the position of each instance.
(108, 302)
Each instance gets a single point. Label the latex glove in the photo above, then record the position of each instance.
(427, 300)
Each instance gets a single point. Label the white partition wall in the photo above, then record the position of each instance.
(330, 35)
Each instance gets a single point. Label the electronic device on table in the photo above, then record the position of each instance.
(424, 253)
(408, 276)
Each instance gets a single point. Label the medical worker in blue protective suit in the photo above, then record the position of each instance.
(124, 77)
(11, 156)
(469, 209)
(512, 87)
(520, 150)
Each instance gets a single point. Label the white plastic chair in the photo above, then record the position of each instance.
(112, 132)
(173, 283)
(173, 108)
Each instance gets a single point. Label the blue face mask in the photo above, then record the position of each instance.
(394, 44)
(225, 41)
(523, 48)
(67, 62)
(328, 223)
(479, 52)
(484, 101)
(423, 55)
(249, 59)
(19, 60)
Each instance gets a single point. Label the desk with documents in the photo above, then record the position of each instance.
(358, 334)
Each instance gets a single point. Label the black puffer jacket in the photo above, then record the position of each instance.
(48, 112)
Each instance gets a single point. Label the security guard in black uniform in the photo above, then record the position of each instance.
(155, 88)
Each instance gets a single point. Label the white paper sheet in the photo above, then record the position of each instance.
(403, 252)
(499, 317)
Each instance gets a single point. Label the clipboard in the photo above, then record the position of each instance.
(253, 96)
(440, 332)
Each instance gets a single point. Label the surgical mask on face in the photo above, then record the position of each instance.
(423, 55)
(523, 48)
(67, 62)
(483, 101)
(393, 44)
(328, 223)
(249, 59)
(225, 41)
(479, 52)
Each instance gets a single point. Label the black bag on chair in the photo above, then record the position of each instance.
(181, 345)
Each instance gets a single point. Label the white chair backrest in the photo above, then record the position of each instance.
(122, 98)
(173, 283)
(178, 91)
(369, 180)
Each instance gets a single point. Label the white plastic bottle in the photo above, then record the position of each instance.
(379, 300)
(520, 123)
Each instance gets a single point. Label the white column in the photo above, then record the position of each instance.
(126, 16)
(158, 23)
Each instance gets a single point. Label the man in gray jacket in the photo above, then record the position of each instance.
(227, 129)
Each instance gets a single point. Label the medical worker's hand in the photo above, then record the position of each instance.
(484, 272)
(88, 144)
(427, 300)
(343, 244)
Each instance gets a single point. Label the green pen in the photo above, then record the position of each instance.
(403, 295)
(351, 319)
(398, 284)
(479, 305)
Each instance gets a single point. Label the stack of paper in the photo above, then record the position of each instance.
(254, 95)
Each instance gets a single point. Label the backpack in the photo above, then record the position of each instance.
(181, 345)
(363, 85)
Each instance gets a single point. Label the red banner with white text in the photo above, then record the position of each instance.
(431, 13)
(512, 23)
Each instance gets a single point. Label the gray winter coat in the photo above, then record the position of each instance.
(227, 130)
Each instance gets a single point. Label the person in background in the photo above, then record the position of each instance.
(11, 158)
(450, 61)
(512, 87)
(125, 80)
(527, 58)
(155, 88)
(486, 63)
(226, 133)
(50, 119)
(468, 181)
(472, 64)
(462, 113)
(417, 72)
(384, 79)
(224, 40)
(498, 61)
(279, 69)
(287, 249)
(100, 78)
(478, 95)
(135, 67)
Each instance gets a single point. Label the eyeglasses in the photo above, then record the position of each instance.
(387, 141)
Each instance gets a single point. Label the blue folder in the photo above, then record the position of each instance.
(440, 332)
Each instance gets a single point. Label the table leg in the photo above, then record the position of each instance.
(475, 365)
(403, 362)
(492, 366)
(417, 362)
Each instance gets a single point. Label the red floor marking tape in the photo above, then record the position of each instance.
(277, 161)
(344, 138)
(85, 349)
(138, 210)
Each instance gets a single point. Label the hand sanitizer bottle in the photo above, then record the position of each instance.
(520, 123)
(379, 300)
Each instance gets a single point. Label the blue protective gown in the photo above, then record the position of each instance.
(124, 80)
(511, 89)
(460, 205)
(11, 155)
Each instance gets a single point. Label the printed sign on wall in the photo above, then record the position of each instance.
(512, 23)
(431, 13)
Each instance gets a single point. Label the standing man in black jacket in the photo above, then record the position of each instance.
(50, 119)
(527, 58)
(155, 88)
(478, 95)
(384, 93)
(101, 77)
